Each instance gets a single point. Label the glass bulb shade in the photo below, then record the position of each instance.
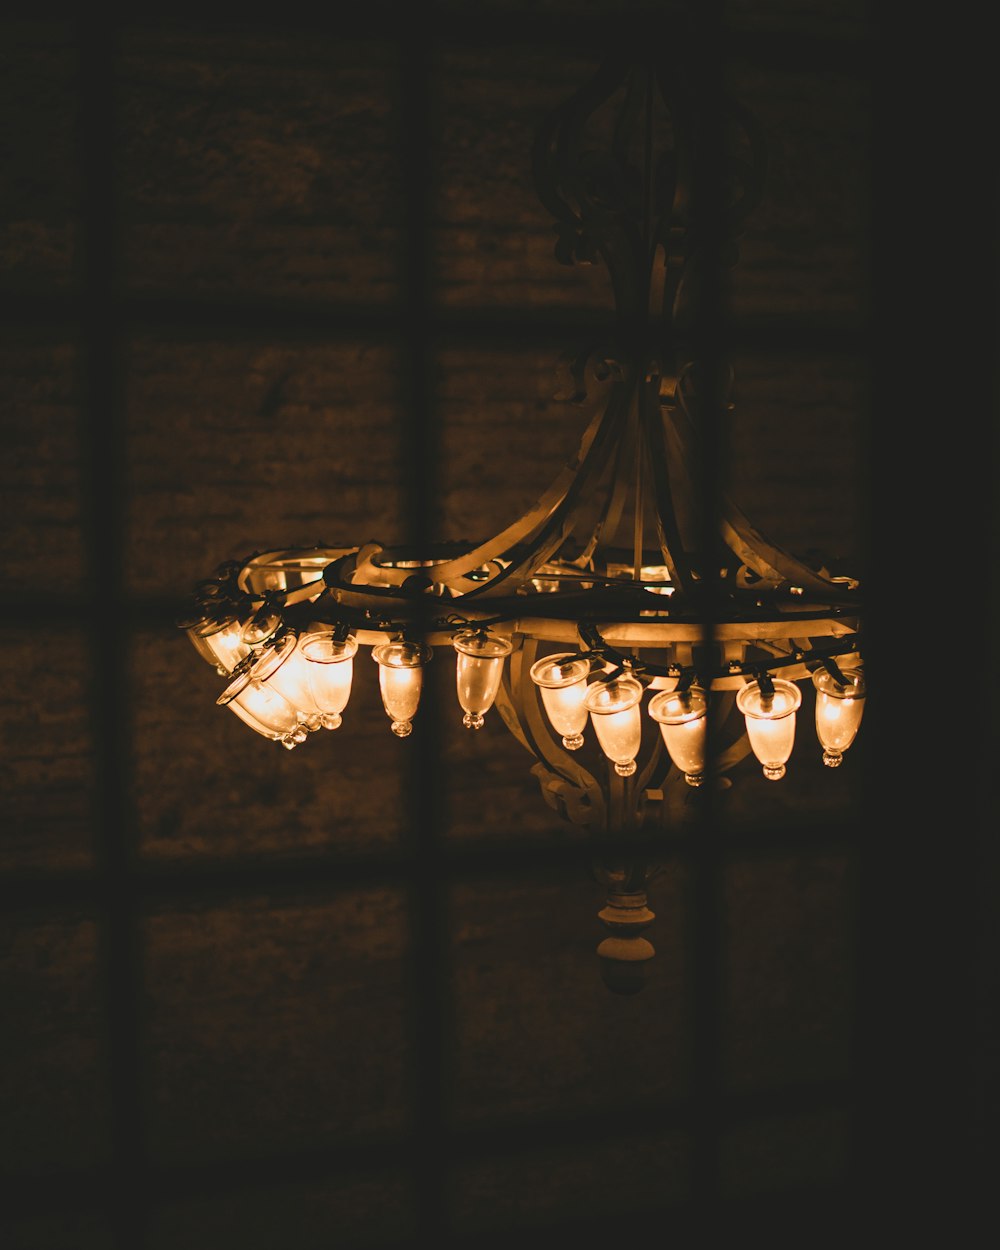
(770, 722)
(284, 669)
(329, 665)
(478, 670)
(838, 710)
(260, 627)
(683, 721)
(220, 642)
(614, 711)
(261, 707)
(400, 677)
(562, 682)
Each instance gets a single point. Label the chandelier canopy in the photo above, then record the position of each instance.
(633, 629)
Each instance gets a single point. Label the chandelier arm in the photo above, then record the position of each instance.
(765, 558)
(305, 592)
(739, 747)
(523, 656)
(508, 714)
(607, 496)
(279, 569)
(665, 508)
(558, 761)
(593, 443)
(762, 555)
(538, 736)
(614, 504)
(535, 724)
(654, 765)
(557, 526)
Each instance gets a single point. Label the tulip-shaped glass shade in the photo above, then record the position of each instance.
(330, 670)
(562, 680)
(400, 677)
(264, 709)
(770, 720)
(614, 710)
(478, 669)
(220, 643)
(682, 717)
(283, 668)
(838, 712)
(260, 627)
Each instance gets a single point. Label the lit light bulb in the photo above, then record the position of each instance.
(478, 670)
(562, 681)
(400, 677)
(770, 721)
(683, 720)
(330, 672)
(614, 710)
(839, 709)
(220, 643)
(261, 627)
(264, 709)
(283, 668)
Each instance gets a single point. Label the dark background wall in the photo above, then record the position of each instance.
(243, 261)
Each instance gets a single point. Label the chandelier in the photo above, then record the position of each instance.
(633, 628)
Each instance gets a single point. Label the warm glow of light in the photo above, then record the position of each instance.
(329, 663)
(282, 668)
(400, 679)
(647, 573)
(478, 670)
(264, 709)
(614, 713)
(220, 644)
(770, 722)
(562, 680)
(838, 712)
(400, 691)
(683, 720)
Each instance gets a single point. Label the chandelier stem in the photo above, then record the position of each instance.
(638, 535)
(625, 953)
(647, 163)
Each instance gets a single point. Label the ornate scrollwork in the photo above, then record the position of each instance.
(614, 166)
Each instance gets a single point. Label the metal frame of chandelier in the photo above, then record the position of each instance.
(605, 597)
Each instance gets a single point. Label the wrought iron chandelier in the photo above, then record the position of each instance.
(632, 628)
